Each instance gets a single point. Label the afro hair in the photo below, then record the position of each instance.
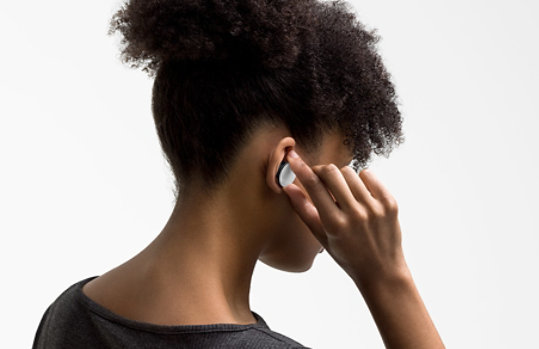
(223, 67)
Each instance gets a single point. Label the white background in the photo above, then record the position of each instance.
(84, 186)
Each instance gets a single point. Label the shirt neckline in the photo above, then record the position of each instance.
(107, 314)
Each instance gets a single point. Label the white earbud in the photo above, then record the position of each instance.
(285, 175)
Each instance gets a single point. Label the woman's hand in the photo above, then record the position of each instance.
(353, 216)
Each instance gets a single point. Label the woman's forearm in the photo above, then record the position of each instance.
(400, 314)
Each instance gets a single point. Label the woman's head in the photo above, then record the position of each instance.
(227, 72)
(224, 67)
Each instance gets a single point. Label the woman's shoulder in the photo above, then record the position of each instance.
(65, 313)
(74, 320)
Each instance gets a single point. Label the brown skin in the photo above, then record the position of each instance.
(198, 269)
(356, 220)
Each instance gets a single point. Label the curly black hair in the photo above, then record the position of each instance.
(224, 67)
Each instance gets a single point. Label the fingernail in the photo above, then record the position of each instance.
(293, 154)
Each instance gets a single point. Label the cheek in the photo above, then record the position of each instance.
(303, 234)
(296, 232)
(293, 231)
(302, 228)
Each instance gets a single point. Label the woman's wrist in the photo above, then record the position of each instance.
(399, 312)
(393, 278)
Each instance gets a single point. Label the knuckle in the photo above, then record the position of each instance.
(391, 205)
(317, 168)
(332, 167)
(329, 168)
(339, 223)
(360, 215)
(378, 211)
(334, 223)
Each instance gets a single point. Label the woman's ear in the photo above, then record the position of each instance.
(277, 156)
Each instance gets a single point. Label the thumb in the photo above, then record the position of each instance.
(307, 212)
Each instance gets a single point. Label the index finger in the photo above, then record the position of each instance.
(316, 190)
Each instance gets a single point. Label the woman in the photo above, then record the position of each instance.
(240, 88)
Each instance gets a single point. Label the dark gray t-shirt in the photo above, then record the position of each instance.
(74, 320)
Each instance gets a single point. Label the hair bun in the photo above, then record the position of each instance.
(263, 31)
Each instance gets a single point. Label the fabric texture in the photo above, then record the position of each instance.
(74, 320)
